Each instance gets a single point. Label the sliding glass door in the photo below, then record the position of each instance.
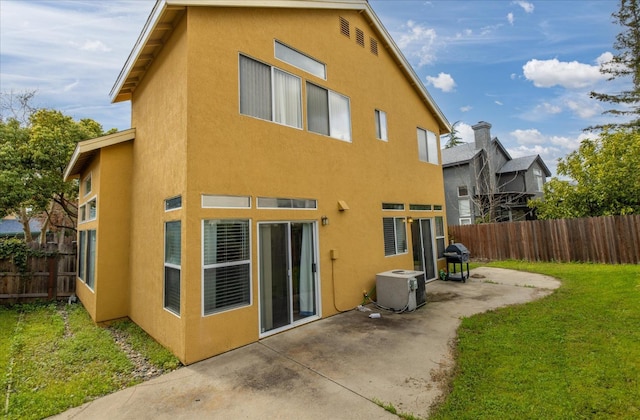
(288, 281)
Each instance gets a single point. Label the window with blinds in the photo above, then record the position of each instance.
(395, 235)
(269, 93)
(172, 266)
(227, 265)
(328, 113)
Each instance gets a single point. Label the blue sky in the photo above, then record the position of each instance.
(526, 67)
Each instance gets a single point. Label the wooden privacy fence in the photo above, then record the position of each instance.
(49, 277)
(610, 240)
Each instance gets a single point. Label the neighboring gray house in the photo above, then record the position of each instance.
(484, 183)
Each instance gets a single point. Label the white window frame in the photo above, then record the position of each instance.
(537, 173)
(427, 146)
(462, 202)
(381, 125)
(217, 201)
(388, 206)
(174, 267)
(84, 214)
(85, 256)
(398, 249)
(465, 221)
(299, 59)
(205, 267)
(85, 181)
(420, 207)
(439, 236)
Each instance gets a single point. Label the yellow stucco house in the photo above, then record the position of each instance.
(283, 153)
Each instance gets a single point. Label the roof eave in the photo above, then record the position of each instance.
(87, 148)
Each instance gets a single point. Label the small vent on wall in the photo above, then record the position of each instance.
(360, 37)
(344, 27)
(374, 46)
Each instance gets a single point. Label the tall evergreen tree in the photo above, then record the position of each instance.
(626, 63)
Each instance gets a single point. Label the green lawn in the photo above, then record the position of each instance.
(574, 354)
(53, 357)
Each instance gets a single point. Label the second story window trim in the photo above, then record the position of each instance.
(381, 125)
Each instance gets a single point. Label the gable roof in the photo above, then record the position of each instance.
(166, 13)
(87, 149)
(460, 154)
(523, 164)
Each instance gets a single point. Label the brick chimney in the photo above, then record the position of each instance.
(482, 135)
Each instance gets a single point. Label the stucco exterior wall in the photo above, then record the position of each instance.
(191, 140)
(113, 232)
(159, 114)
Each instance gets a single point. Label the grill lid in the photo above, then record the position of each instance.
(457, 248)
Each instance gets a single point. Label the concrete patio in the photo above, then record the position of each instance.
(336, 368)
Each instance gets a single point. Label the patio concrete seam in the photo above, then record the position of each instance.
(316, 372)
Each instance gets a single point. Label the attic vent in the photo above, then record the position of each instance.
(374, 46)
(360, 37)
(344, 27)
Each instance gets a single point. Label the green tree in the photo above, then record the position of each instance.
(604, 179)
(453, 138)
(33, 157)
(626, 63)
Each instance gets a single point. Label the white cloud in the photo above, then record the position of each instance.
(443, 81)
(94, 46)
(510, 18)
(526, 6)
(465, 132)
(583, 108)
(547, 108)
(418, 41)
(466, 108)
(571, 75)
(498, 103)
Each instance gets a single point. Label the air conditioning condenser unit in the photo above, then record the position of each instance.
(400, 290)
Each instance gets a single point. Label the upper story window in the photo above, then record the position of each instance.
(463, 191)
(89, 210)
(537, 173)
(269, 93)
(381, 125)
(427, 146)
(328, 113)
(87, 184)
(300, 60)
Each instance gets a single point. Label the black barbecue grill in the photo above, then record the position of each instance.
(457, 253)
